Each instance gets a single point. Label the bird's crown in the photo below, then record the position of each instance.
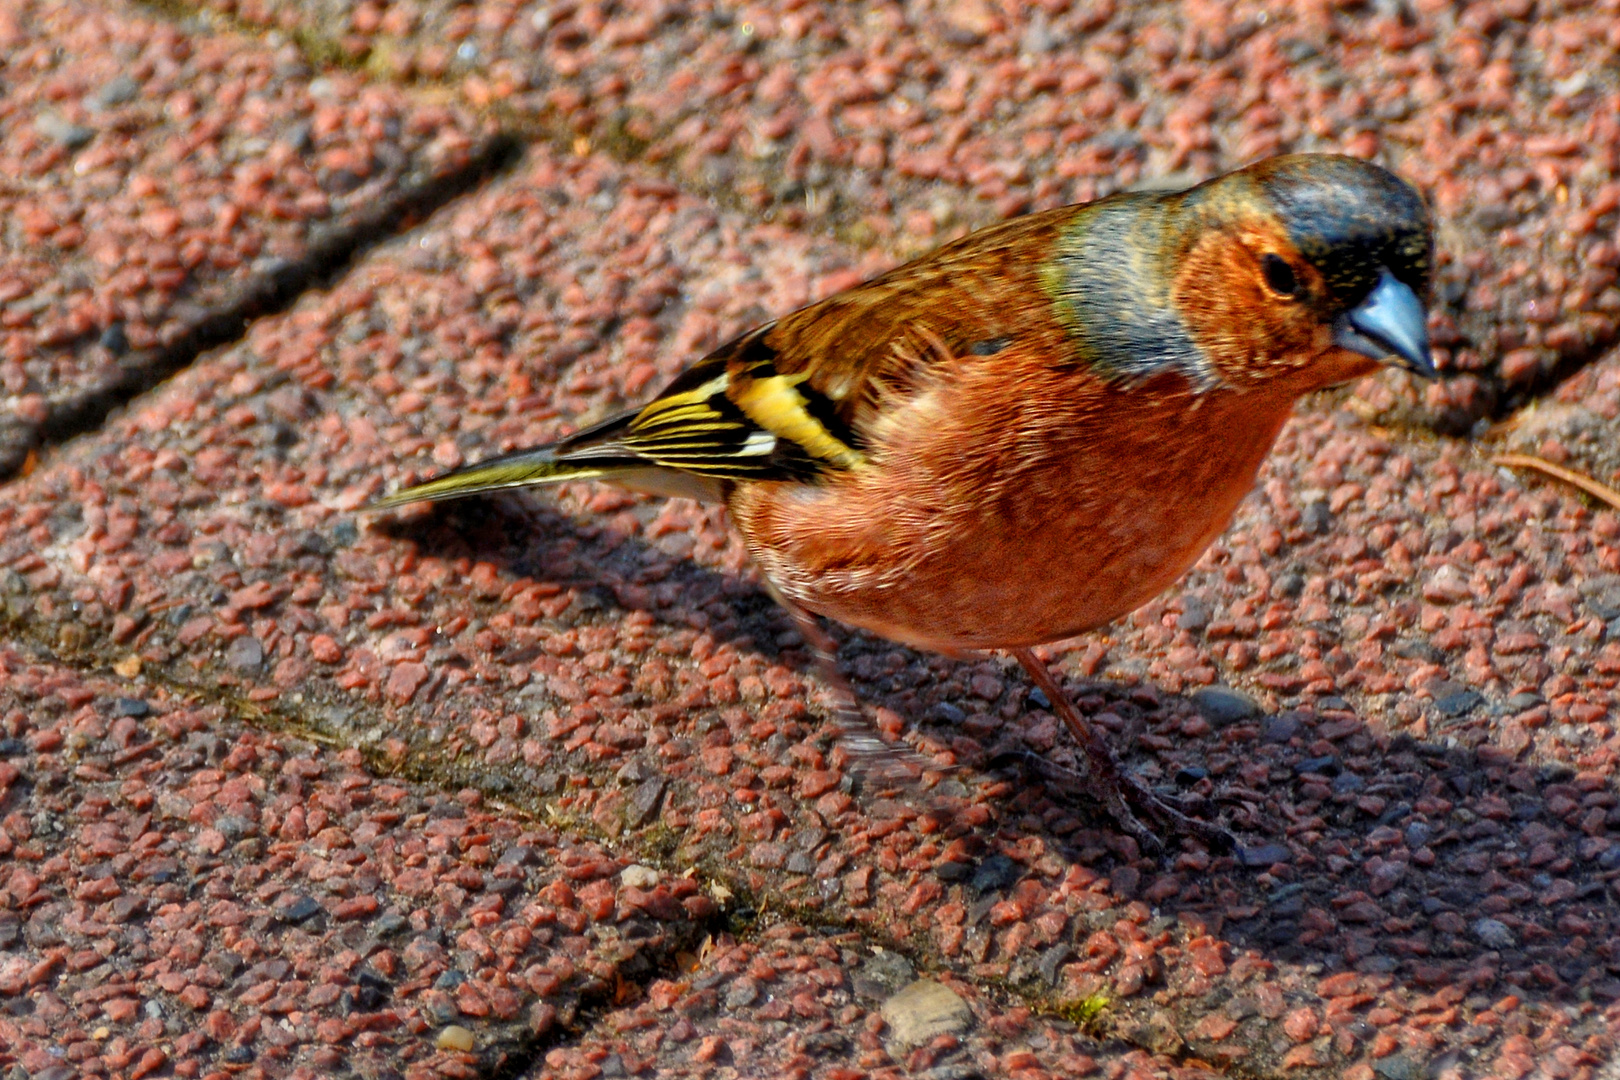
(1346, 216)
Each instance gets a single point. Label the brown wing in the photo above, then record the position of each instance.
(797, 398)
(864, 347)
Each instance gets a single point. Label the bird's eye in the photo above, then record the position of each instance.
(1279, 275)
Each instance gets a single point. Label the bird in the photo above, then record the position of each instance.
(1032, 430)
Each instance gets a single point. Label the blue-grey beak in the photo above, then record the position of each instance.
(1390, 325)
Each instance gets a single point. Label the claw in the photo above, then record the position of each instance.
(1122, 795)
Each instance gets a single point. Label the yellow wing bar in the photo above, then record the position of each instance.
(732, 415)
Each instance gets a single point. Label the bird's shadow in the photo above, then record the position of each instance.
(1454, 872)
(610, 570)
(1449, 876)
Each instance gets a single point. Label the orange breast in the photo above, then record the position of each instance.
(999, 516)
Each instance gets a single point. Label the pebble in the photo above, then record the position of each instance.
(245, 654)
(645, 801)
(994, 874)
(637, 876)
(119, 90)
(883, 975)
(1317, 518)
(924, 1011)
(297, 909)
(1263, 854)
(1399, 1067)
(1602, 596)
(1052, 961)
(54, 127)
(1494, 934)
(1458, 703)
(1279, 729)
(1222, 705)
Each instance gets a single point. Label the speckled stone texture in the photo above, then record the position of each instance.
(903, 124)
(799, 1002)
(559, 765)
(162, 182)
(181, 893)
(1404, 624)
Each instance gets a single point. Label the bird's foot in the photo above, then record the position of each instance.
(1122, 795)
(1168, 813)
(1128, 801)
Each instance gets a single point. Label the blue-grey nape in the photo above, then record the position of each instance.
(1109, 275)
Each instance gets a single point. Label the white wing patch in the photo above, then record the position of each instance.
(759, 444)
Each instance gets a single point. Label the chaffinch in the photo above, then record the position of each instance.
(1032, 430)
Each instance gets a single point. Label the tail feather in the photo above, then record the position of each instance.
(524, 468)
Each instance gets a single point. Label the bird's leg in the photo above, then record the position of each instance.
(1118, 790)
(870, 755)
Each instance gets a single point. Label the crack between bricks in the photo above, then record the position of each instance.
(506, 1057)
(838, 217)
(331, 253)
(745, 917)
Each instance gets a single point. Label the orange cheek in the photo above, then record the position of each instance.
(1307, 335)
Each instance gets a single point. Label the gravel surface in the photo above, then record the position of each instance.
(574, 785)
(164, 183)
(1576, 426)
(796, 1001)
(900, 125)
(181, 892)
(1400, 625)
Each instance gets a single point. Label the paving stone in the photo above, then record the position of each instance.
(558, 651)
(166, 182)
(903, 124)
(564, 653)
(228, 896)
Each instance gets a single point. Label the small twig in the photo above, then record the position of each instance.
(1601, 492)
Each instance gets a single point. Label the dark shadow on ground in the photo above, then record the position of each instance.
(1446, 878)
(1454, 876)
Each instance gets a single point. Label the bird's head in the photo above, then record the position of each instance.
(1311, 264)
